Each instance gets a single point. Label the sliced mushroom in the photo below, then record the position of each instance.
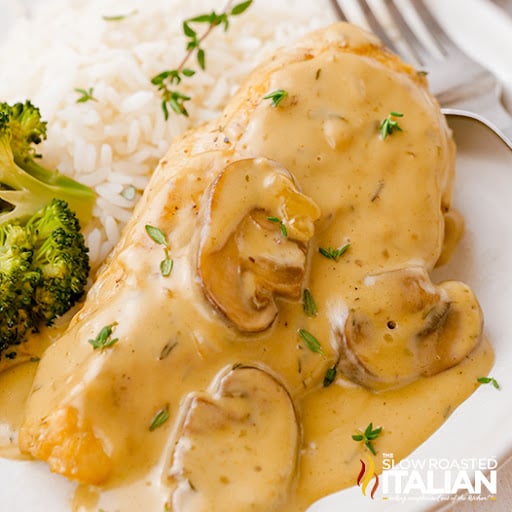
(253, 243)
(406, 327)
(237, 447)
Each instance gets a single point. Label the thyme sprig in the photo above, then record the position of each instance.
(86, 94)
(276, 96)
(489, 380)
(388, 125)
(158, 236)
(334, 254)
(281, 223)
(172, 98)
(103, 340)
(369, 435)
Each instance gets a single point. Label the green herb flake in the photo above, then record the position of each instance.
(489, 380)
(276, 96)
(166, 265)
(369, 435)
(330, 376)
(240, 8)
(311, 342)
(86, 95)
(282, 226)
(159, 418)
(308, 303)
(119, 17)
(334, 254)
(103, 340)
(168, 348)
(388, 125)
(156, 234)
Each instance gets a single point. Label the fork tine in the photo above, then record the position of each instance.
(442, 41)
(375, 26)
(339, 11)
(414, 44)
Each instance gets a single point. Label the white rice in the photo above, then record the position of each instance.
(113, 144)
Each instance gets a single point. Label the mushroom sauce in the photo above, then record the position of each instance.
(222, 391)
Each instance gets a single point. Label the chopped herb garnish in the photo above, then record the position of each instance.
(168, 348)
(103, 340)
(156, 235)
(389, 124)
(330, 375)
(276, 96)
(334, 254)
(309, 304)
(119, 17)
(369, 435)
(284, 231)
(166, 264)
(165, 81)
(159, 418)
(312, 343)
(86, 95)
(489, 380)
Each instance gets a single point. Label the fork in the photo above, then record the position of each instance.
(462, 86)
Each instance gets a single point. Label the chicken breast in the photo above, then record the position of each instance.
(332, 143)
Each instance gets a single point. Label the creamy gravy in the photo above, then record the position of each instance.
(89, 412)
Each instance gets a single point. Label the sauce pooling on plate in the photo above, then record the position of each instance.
(299, 307)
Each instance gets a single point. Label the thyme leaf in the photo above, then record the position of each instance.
(309, 304)
(159, 418)
(240, 8)
(120, 17)
(311, 342)
(156, 234)
(329, 377)
(166, 264)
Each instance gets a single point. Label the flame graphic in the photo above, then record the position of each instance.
(365, 477)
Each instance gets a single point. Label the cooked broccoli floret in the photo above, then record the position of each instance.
(61, 257)
(17, 284)
(44, 266)
(25, 185)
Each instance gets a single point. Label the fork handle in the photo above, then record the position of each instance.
(488, 111)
